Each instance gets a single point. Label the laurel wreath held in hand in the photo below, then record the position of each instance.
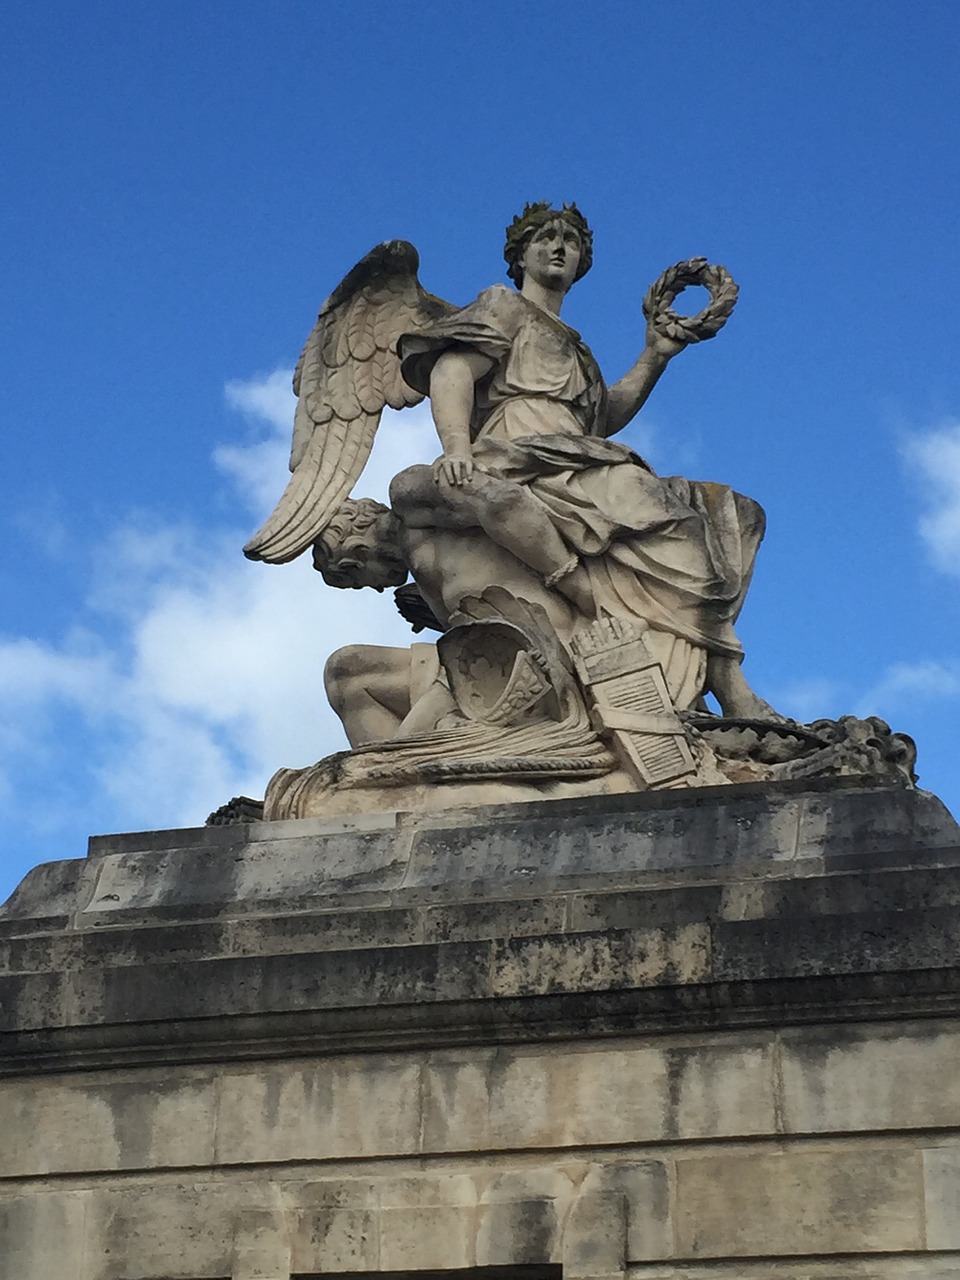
(707, 323)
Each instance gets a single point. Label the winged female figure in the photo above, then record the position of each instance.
(528, 484)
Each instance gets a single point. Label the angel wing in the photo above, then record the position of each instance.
(348, 373)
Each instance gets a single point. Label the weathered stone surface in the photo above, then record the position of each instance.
(600, 961)
(718, 1071)
(625, 1091)
(42, 1235)
(179, 1230)
(646, 1188)
(797, 1201)
(694, 904)
(329, 1239)
(619, 1093)
(317, 1110)
(518, 1232)
(428, 1237)
(32, 1000)
(514, 918)
(872, 827)
(941, 1189)
(831, 1207)
(844, 1079)
(261, 1246)
(389, 860)
(870, 941)
(518, 937)
(69, 1124)
(595, 1236)
(838, 894)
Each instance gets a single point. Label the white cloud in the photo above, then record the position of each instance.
(268, 399)
(259, 468)
(404, 438)
(935, 458)
(904, 684)
(643, 437)
(195, 674)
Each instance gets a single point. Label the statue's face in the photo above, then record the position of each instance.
(380, 569)
(369, 560)
(552, 256)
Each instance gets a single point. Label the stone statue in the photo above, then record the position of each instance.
(586, 605)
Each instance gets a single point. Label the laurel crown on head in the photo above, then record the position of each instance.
(535, 216)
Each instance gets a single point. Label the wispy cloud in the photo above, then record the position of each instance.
(934, 457)
(805, 700)
(258, 467)
(905, 684)
(191, 674)
(266, 399)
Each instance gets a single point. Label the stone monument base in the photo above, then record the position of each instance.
(701, 1034)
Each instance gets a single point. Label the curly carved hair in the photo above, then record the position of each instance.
(535, 216)
(330, 555)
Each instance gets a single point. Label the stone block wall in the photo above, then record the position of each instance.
(748, 1072)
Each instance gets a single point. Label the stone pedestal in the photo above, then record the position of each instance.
(702, 1034)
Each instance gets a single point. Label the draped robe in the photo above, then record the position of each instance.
(675, 553)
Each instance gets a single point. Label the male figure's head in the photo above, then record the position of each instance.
(360, 547)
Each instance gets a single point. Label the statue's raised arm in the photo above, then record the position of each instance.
(347, 374)
(668, 333)
(507, 366)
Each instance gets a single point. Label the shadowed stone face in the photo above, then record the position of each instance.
(359, 548)
(367, 562)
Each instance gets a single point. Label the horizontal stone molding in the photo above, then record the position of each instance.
(746, 1087)
(860, 1210)
(498, 851)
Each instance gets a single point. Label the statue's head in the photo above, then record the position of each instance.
(533, 219)
(359, 547)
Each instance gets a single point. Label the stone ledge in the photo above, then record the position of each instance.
(719, 833)
(729, 908)
(927, 898)
(655, 1010)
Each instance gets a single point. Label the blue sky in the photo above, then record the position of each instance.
(184, 184)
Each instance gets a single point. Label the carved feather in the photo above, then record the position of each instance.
(348, 372)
